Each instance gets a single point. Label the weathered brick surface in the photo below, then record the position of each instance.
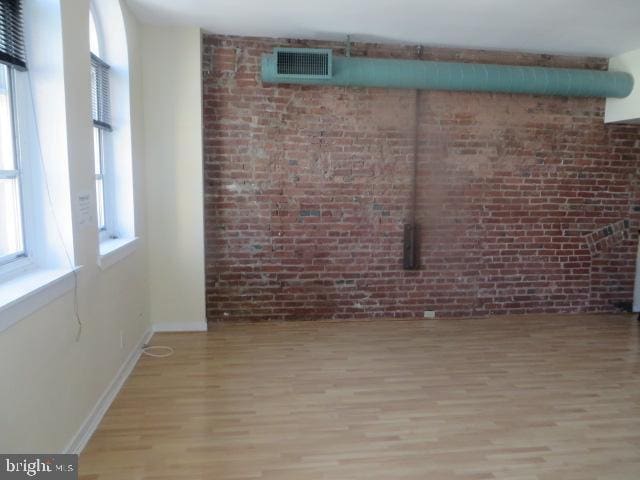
(525, 204)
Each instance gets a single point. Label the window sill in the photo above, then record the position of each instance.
(116, 249)
(29, 292)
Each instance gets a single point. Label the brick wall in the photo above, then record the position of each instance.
(525, 204)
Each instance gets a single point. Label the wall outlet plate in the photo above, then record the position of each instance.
(429, 314)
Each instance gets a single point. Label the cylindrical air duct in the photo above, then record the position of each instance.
(416, 74)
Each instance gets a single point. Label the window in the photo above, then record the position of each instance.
(12, 58)
(111, 108)
(37, 257)
(101, 111)
(12, 245)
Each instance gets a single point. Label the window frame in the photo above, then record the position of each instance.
(107, 230)
(18, 260)
(40, 99)
(99, 177)
(114, 114)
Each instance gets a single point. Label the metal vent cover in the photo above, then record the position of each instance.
(303, 62)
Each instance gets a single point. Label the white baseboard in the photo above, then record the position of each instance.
(90, 424)
(180, 327)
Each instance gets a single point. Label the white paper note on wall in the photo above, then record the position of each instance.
(86, 215)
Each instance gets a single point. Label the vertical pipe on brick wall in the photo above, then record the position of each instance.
(416, 148)
(411, 259)
(414, 177)
(636, 286)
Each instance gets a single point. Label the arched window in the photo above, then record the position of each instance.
(100, 104)
(111, 123)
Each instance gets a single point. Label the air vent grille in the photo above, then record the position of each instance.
(303, 62)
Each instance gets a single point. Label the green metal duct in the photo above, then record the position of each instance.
(415, 74)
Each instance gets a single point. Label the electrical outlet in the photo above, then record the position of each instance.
(429, 314)
(121, 339)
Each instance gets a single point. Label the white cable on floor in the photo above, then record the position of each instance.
(148, 350)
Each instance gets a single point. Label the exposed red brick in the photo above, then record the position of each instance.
(525, 204)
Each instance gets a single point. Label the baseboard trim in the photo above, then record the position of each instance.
(180, 327)
(90, 424)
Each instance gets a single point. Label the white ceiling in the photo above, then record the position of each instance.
(577, 27)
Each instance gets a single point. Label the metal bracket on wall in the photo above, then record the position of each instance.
(409, 247)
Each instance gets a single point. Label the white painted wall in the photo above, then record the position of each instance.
(49, 381)
(625, 110)
(173, 146)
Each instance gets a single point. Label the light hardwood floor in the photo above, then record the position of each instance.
(518, 398)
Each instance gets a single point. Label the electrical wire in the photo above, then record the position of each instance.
(72, 266)
(148, 350)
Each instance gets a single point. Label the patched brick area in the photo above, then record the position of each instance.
(525, 204)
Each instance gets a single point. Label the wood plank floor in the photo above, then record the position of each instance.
(520, 398)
